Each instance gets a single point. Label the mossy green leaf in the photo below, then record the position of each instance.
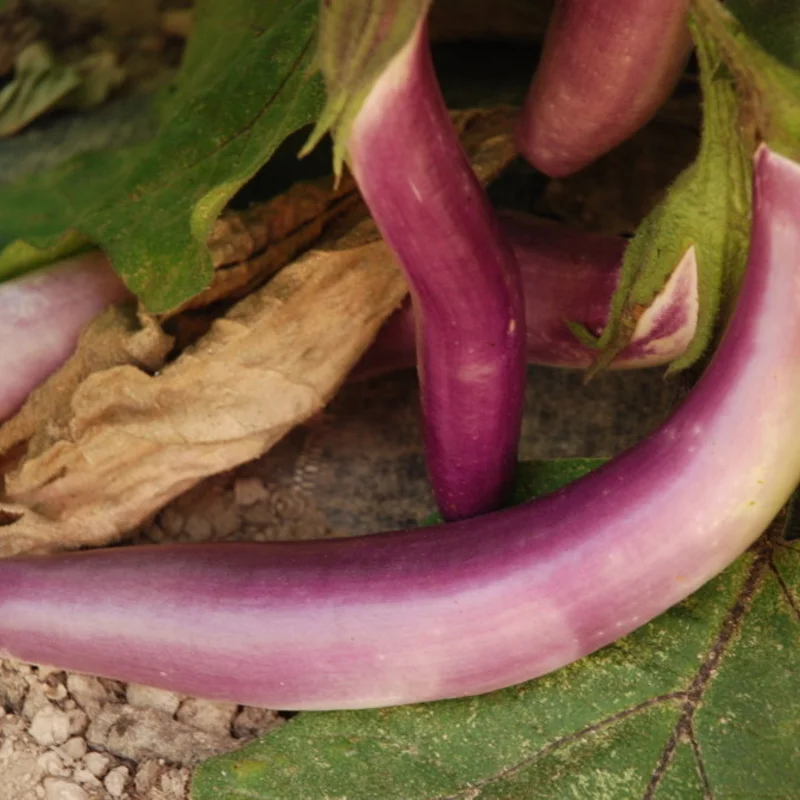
(357, 41)
(761, 46)
(699, 703)
(535, 478)
(707, 208)
(244, 85)
(776, 27)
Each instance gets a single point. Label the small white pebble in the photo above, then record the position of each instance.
(249, 491)
(97, 763)
(226, 522)
(171, 521)
(150, 697)
(173, 782)
(44, 671)
(50, 725)
(74, 748)
(116, 781)
(78, 721)
(198, 528)
(89, 692)
(85, 778)
(155, 533)
(57, 789)
(206, 715)
(146, 776)
(35, 701)
(52, 764)
(55, 692)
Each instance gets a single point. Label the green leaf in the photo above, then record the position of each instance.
(38, 85)
(707, 208)
(535, 478)
(357, 40)
(775, 28)
(762, 49)
(701, 702)
(245, 84)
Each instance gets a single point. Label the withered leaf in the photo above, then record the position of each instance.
(134, 441)
(130, 439)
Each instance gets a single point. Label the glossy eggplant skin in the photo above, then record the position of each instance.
(465, 286)
(470, 606)
(606, 68)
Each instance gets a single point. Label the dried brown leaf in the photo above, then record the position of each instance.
(117, 337)
(18, 28)
(135, 441)
(116, 440)
(247, 247)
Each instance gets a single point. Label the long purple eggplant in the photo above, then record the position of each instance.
(433, 213)
(605, 70)
(567, 276)
(471, 606)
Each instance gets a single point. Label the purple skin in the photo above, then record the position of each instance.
(41, 317)
(567, 275)
(605, 70)
(465, 286)
(466, 607)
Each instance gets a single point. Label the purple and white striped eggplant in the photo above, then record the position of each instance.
(41, 317)
(433, 213)
(470, 606)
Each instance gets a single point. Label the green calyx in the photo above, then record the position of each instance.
(707, 207)
(761, 47)
(357, 40)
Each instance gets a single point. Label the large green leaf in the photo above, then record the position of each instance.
(702, 702)
(245, 84)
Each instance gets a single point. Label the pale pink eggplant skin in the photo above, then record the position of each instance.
(606, 68)
(41, 317)
(464, 281)
(471, 606)
(567, 276)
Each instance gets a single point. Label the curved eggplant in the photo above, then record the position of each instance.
(471, 606)
(415, 178)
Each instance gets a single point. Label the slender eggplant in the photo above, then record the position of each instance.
(470, 606)
(605, 70)
(465, 286)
